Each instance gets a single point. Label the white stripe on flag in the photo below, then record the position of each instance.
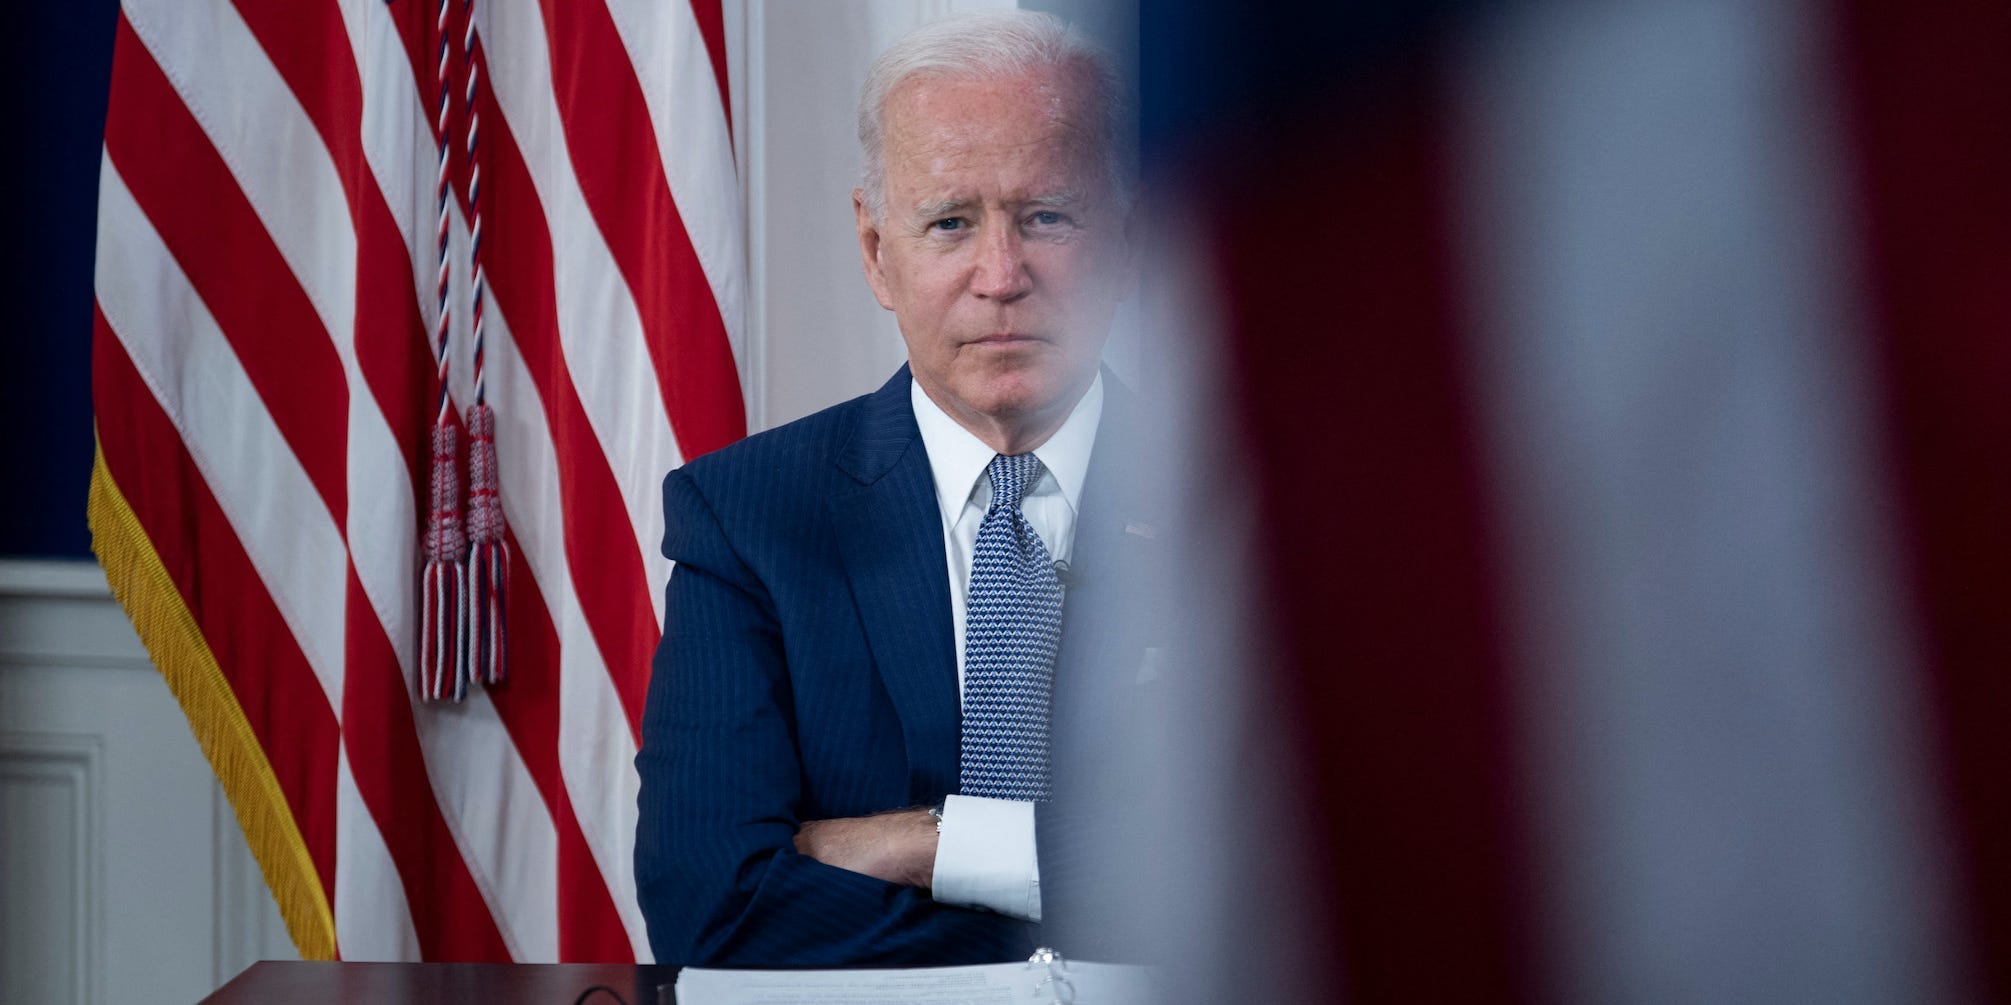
(1727, 738)
(395, 129)
(272, 148)
(596, 756)
(498, 819)
(373, 921)
(597, 759)
(286, 529)
(688, 116)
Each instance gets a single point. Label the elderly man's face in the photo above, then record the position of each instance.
(1002, 251)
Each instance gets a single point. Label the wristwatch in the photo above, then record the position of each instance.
(936, 811)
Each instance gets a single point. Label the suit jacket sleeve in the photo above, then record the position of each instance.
(718, 877)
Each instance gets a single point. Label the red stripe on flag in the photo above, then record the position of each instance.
(1381, 579)
(1932, 117)
(415, 27)
(217, 239)
(530, 706)
(274, 686)
(391, 342)
(614, 155)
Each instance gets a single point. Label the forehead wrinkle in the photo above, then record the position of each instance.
(916, 106)
(942, 158)
(954, 170)
(942, 140)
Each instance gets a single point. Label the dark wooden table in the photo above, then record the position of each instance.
(297, 983)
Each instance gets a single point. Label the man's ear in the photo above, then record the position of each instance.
(869, 248)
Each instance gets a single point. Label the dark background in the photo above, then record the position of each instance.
(57, 61)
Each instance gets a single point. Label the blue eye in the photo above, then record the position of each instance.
(1047, 218)
(950, 224)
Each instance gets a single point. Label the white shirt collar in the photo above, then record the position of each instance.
(958, 458)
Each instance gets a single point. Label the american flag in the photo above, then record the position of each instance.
(265, 381)
(1626, 389)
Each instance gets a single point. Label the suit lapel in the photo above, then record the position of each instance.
(890, 538)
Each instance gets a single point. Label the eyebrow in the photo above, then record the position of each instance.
(941, 207)
(946, 207)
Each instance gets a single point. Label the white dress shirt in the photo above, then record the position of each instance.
(986, 854)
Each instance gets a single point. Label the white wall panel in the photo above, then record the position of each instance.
(124, 867)
(50, 937)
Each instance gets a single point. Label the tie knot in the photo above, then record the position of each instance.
(1012, 475)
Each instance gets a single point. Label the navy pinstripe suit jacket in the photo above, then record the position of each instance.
(807, 671)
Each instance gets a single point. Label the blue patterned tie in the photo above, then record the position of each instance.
(1012, 630)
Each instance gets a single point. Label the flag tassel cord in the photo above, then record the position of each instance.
(443, 631)
(168, 630)
(486, 600)
(464, 586)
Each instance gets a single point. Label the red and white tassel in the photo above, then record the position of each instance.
(443, 630)
(443, 584)
(488, 555)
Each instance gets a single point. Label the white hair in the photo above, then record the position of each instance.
(986, 44)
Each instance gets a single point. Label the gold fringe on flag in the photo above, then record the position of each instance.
(168, 630)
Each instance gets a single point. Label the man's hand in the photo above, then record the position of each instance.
(899, 847)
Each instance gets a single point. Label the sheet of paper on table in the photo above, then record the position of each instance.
(994, 984)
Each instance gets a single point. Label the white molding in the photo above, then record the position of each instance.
(61, 614)
(75, 760)
(75, 578)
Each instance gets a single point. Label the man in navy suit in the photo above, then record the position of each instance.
(808, 713)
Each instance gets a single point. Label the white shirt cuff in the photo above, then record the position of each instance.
(985, 856)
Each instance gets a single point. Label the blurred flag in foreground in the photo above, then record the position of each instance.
(1622, 397)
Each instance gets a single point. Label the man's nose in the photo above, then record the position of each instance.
(1001, 268)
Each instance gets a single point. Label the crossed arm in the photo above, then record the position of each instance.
(726, 870)
(898, 847)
